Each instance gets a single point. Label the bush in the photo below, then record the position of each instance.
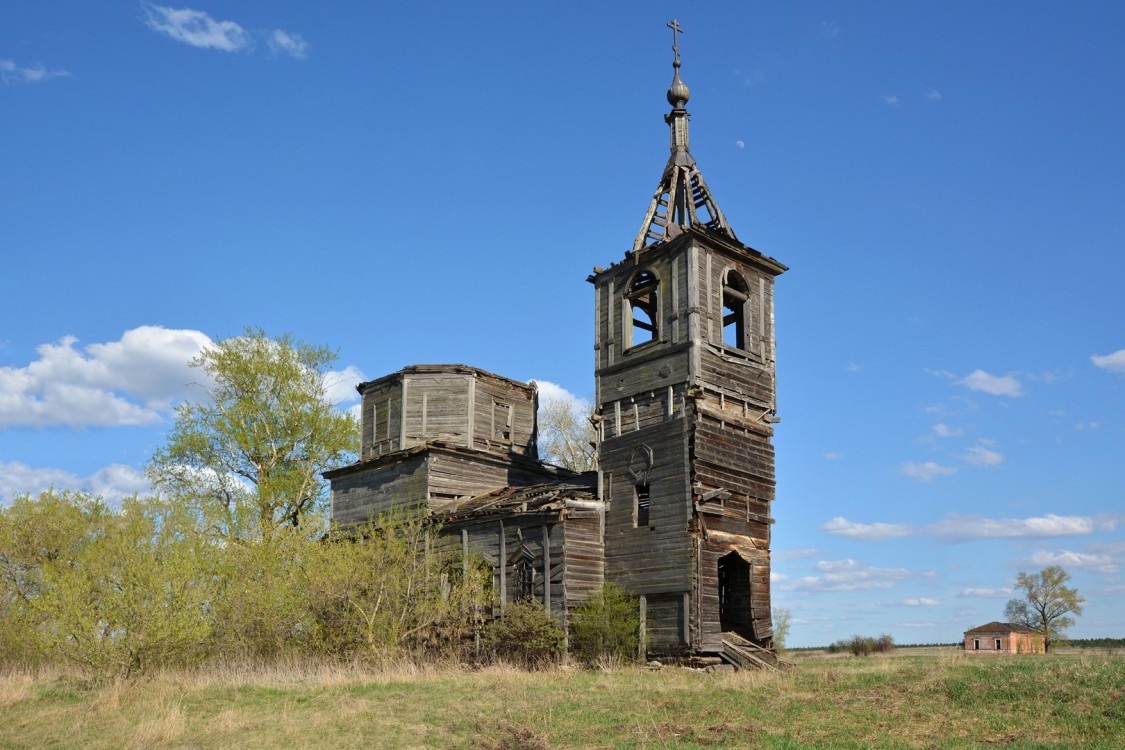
(606, 627)
(526, 635)
(884, 644)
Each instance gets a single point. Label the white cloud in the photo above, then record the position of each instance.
(981, 455)
(282, 42)
(127, 382)
(849, 575)
(833, 455)
(985, 592)
(997, 385)
(1068, 559)
(875, 532)
(549, 392)
(829, 30)
(933, 95)
(11, 72)
(945, 431)
(920, 602)
(198, 29)
(925, 472)
(891, 100)
(853, 367)
(955, 528)
(340, 384)
(1113, 362)
(740, 143)
(112, 483)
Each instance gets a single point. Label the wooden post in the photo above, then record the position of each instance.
(642, 636)
(547, 568)
(503, 567)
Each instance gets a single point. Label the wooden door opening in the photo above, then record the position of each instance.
(734, 595)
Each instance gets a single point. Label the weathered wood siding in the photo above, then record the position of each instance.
(583, 555)
(720, 398)
(361, 496)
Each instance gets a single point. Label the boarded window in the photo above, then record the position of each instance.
(641, 505)
(643, 306)
(736, 307)
(501, 421)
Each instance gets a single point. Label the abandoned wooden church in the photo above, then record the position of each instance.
(678, 511)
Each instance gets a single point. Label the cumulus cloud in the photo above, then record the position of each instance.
(112, 483)
(549, 392)
(1112, 362)
(997, 385)
(945, 431)
(197, 28)
(12, 73)
(1100, 563)
(957, 528)
(850, 575)
(127, 382)
(872, 532)
(981, 455)
(340, 385)
(925, 472)
(920, 602)
(282, 42)
(982, 593)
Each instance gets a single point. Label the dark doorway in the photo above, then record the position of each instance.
(734, 595)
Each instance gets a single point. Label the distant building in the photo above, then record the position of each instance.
(1003, 638)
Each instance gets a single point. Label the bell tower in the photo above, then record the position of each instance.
(686, 406)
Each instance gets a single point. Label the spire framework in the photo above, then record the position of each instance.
(682, 198)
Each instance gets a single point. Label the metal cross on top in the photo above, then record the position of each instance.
(675, 27)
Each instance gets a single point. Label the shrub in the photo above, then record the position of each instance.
(606, 626)
(884, 644)
(526, 635)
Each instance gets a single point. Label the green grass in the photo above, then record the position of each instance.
(928, 701)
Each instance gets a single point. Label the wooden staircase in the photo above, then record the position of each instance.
(744, 654)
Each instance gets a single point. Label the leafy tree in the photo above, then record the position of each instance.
(393, 586)
(114, 592)
(251, 453)
(566, 435)
(606, 626)
(1047, 603)
(782, 619)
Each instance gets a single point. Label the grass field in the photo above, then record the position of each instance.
(932, 700)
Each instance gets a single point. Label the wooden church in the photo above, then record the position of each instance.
(678, 511)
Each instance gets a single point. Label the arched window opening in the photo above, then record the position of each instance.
(644, 308)
(736, 302)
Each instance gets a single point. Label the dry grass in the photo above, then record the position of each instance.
(938, 701)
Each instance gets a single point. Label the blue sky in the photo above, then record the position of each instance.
(432, 182)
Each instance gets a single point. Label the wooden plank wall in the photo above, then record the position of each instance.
(381, 420)
(583, 555)
(501, 542)
(361, 496)
(487, 393)
(437, 408)
(657, 558)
